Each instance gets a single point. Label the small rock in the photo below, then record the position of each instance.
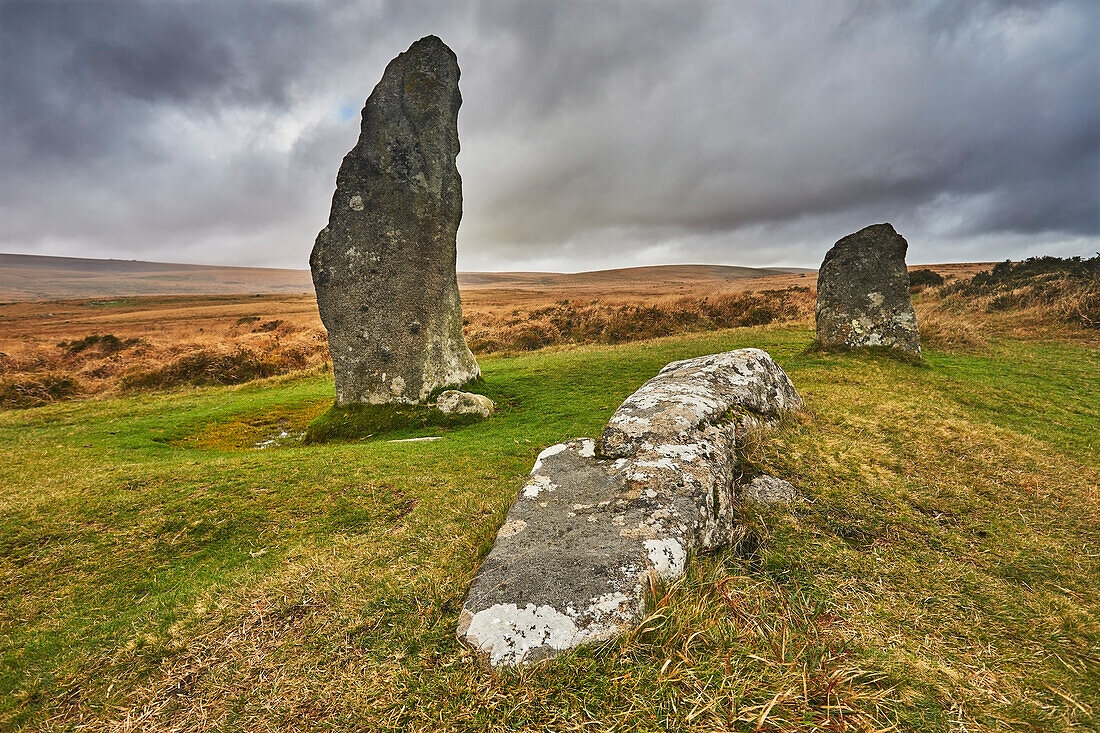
(453, 402)
(767, 489)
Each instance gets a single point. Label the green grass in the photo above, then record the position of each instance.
(942, 573)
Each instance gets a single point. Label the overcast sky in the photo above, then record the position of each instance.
(594, 134)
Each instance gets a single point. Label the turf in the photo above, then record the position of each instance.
(159, 572)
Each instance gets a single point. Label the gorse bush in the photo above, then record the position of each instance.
(1074, 268)
(1068, 289)
(920, 279)
(107, 344)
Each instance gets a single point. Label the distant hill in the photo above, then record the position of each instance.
(37, 277)
(657, 274)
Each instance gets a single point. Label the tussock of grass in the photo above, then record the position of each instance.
(35, 391)
(212, 366)
(942, 329)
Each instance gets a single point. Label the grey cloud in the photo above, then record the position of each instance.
(594, 133)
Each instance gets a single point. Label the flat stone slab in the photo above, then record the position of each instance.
(596, 523)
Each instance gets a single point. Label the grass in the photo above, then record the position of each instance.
(941, 574)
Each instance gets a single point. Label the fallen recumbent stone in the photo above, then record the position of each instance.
(595, 524)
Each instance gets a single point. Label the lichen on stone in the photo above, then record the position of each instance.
(594, 526)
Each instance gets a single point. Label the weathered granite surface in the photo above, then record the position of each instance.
(584, 535)
(384, 267)
(863, 293)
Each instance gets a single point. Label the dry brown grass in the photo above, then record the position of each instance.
(573, 322)
(56, 350)
(162, 342)
(138, 355)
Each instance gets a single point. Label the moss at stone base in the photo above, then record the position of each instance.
(355, 422)
(891, 352)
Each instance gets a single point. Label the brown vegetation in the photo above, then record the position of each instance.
(56, 350)
(37, 368)
(1044, 297)
(571, 322)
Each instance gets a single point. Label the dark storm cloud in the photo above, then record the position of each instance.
(594, 133)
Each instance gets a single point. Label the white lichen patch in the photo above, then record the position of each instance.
(688, 452)
(667, 557)
(662, 462)
(587, 449)
(632, 425)
(609, 603)
(507, 633)
(536, 486)
(551, 451)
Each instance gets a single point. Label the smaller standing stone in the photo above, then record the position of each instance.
(863, 293)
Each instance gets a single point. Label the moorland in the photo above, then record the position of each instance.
(172, 558)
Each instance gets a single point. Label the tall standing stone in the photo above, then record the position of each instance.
(863, 293)
(384, 267)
